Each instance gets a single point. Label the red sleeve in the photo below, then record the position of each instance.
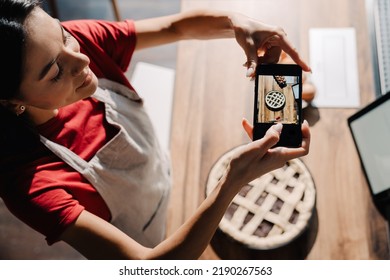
(109, 45)
(48, 212)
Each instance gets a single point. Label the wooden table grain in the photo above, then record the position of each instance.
(212, 95)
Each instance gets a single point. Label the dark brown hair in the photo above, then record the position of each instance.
(16, 136)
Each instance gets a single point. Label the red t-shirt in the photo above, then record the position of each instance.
(46, 193)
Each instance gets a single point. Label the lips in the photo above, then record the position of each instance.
(87, 79)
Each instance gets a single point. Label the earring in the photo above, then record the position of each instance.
(21, 110)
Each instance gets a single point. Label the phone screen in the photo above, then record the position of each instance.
(278, 98)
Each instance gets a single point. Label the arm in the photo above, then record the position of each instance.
(260, 42)
(96, 238)
(198, 24)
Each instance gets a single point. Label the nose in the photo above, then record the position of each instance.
(77, 62)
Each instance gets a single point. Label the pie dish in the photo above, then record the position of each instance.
(275, 100)
(272, 210)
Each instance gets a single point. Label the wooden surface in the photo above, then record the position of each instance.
(212, 95)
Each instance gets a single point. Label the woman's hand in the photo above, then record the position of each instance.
(262, 43)
(258, 157)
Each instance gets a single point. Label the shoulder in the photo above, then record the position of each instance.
(42, 203)
(96, 29)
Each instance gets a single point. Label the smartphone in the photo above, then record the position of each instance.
(278, 98)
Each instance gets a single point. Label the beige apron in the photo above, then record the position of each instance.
(130, 172)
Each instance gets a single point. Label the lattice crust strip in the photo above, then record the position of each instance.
(270, 211)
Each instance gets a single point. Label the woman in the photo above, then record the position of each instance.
(79, 160)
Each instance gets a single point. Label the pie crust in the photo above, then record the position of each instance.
(272, 210)
(275, 100)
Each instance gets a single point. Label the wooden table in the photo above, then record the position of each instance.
(212, 95)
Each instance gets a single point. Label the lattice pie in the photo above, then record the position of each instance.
(270, 211)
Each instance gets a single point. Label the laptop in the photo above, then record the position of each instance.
(370, 129)
(378, 19)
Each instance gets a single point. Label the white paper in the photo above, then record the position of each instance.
(333, 59)
(155, 84)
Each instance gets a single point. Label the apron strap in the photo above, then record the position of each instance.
(65, 154)
(116, 87)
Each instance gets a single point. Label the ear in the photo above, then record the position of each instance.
(13, 106)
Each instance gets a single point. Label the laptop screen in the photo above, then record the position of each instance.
(370, 128)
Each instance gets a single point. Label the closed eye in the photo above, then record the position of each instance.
(66, 38)
(59, 74)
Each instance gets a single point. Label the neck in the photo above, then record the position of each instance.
(39, 116)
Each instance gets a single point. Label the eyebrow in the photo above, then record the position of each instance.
(46, 69)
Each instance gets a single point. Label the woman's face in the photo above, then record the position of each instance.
(55, 73)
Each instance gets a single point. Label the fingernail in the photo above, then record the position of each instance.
(278, 127)
(249, 72)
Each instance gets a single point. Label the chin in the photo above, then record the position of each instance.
(95, 82)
